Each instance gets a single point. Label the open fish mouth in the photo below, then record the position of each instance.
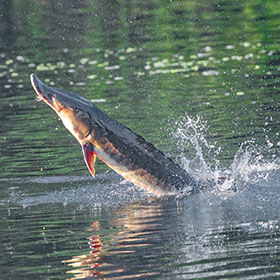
(41, 90)
(38, 98)
(39, 95)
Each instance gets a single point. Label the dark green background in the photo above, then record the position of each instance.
(200, 80)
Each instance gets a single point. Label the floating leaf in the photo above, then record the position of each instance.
(9, 61)
(210, 73)
(239, 93)
(129, 50)
(84, 60)
(91, 77)
(92, 62)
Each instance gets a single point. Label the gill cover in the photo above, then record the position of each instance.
(77, 121)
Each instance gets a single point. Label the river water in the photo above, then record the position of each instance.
(198, 79)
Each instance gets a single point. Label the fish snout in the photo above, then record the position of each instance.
(42, 90)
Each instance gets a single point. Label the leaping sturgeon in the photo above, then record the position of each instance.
(120, 148)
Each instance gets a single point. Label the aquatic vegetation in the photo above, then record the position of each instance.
(240, 93)
(206, 63)
(84, 60)
(91, 77)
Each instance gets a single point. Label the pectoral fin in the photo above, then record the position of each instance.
(89, 156)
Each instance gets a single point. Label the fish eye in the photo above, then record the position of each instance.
(81, 114)
(78, 111)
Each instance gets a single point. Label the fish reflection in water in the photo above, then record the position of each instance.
(195, 238)
(135, 227)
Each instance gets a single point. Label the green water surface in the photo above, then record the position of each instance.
(150, 65)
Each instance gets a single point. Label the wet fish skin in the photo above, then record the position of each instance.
(126, 152)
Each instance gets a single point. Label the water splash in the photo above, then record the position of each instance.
(249, 166)
(200, 156)
(195, 149)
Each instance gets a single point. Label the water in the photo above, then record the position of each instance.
(200, 80)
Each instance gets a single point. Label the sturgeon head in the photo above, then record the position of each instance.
(70, 107)
(73, 111)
